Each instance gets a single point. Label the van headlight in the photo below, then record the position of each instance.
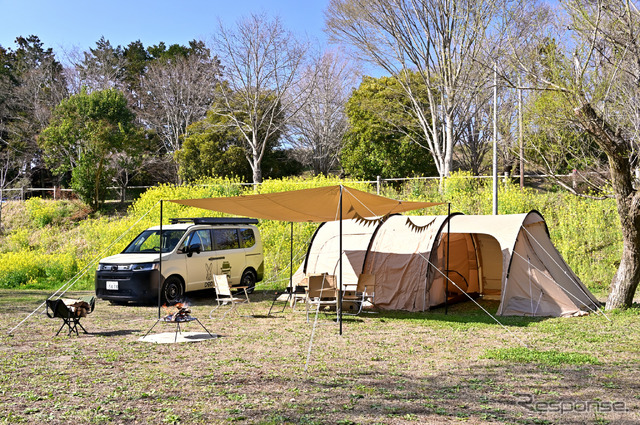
(144, 267)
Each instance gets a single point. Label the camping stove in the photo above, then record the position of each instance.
(182, 315)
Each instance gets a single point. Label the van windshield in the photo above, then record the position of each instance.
(149, 241)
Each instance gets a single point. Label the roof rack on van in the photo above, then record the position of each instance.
(219, 221)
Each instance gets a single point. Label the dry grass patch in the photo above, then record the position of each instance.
(386, 368)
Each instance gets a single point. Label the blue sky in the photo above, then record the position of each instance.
(67, 23)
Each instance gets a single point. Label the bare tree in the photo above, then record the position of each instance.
(475, 135)
(318, 129)
(444, 41)
(598, 82)
(176, 93)
(262, 63)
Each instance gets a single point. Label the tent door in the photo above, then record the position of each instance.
(462, 265)
(489, 265)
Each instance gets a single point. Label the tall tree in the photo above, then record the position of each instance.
(475, 136)
(317, 131)
(103, 66)
(31, 84)
(135, 66)
(86, 131)
(598, 81)
(177, 91)
(558, 145)
(261, 67)
(211, 150)
(384, 134)
(215, 147)
(446, 43)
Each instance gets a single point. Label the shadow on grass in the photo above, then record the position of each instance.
(122, 332)
(465, 312)
(489, 393)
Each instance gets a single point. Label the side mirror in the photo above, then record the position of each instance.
(196, 247)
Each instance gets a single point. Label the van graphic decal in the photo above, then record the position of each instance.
(226, 268)
(208, 275)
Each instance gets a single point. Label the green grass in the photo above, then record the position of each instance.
(547, 358)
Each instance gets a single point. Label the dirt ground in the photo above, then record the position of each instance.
(385, 368)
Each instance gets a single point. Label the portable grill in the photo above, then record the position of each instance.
(182, 315)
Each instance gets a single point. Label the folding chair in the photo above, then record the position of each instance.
(225, 297)
(365, 292)
(70, 311)
(291, 295)
(321, 292)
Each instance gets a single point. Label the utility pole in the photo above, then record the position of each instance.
(520, 132)
(495, 139)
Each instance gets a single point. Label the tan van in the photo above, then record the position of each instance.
(193, 250)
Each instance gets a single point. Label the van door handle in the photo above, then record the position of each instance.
(216, 258)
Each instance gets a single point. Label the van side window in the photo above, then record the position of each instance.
(202, 237)
(248, 238)
(226, 239)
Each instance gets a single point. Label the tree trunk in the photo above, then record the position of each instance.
(448, 150)
(256, 167)
(96, 193)
(617, 149)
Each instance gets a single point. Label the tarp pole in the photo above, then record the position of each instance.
(339, 307)
(446, 283)
(160, 264)
(291, 261)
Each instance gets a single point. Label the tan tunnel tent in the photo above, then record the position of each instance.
(509, 258)
(320, 204)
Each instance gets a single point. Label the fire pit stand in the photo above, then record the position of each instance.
(182, 316)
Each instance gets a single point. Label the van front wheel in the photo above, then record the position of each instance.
(249, 280)
(172, 290)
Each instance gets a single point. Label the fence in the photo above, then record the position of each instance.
(131, 192)
(22, 193)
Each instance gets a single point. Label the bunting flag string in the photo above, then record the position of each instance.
(370, 221)
(418, 229)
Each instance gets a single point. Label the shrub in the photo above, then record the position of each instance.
(43, 212)
(585, 231)
(40, 211)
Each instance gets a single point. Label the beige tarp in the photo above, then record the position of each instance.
(307, 205)
(505, 257)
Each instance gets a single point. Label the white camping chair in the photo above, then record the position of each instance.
(225, 297)
(321, 292)
(364, 293)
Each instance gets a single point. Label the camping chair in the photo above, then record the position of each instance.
(321, 292)
(225, 297)
(291, 295)
(70, 311)
(364, 293)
